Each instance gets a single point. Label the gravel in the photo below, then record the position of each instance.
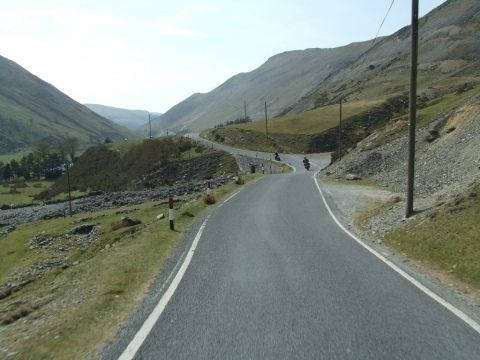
(106, 201)
(445, 167)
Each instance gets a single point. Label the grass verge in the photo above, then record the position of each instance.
(448, 239)
(68, 313)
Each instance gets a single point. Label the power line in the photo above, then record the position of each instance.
(378, 31)
(383, 21)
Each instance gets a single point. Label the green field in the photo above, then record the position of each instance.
(6, 158)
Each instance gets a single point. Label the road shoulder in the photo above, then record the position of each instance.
(349, 202)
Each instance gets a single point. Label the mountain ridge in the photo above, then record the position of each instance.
(33, 110)
(295, 84)
(133, 119)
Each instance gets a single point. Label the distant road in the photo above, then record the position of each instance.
(274, 277)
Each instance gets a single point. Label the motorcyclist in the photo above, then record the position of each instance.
(277, 157)
(306, 163)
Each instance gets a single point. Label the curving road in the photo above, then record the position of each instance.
(274, 277)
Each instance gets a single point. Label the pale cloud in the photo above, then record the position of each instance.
(171, 30)
(70, 17)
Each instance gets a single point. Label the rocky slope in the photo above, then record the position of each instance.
(447, 154)
(32, 110)
(449, 54)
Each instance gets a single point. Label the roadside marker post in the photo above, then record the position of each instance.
(171, 213)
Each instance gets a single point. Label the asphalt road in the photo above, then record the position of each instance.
(274, 277)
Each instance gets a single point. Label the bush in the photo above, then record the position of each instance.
(240, 181)
(187, 213)
(209, 199)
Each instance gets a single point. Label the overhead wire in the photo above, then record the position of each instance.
(378, 31)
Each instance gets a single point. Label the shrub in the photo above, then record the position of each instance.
(187, 213)
(209, 199)
(240, 181)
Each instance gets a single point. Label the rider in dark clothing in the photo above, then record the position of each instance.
(306, 163)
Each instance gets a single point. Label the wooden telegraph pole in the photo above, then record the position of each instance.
(69, 193)
(266, 121)
(412, 109)
(150, 125)
(340, 130)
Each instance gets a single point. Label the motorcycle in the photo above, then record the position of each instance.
(306, 164)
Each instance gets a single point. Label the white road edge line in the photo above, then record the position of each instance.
(230, 197)
(472, 323)
(147, 326)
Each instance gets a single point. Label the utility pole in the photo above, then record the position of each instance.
(266, 121)
(150, 125)
(412, 109)
(69, 194)
(340, 130)
(245, 110)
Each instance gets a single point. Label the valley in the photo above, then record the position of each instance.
(263, 218)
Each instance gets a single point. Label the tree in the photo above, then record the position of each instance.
(108, 140)
(71, 145)
(15, 167)
(41, 153)
(26, 166)
(7, 172)
(61, 149)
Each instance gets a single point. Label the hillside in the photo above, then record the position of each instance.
(449, 55)
(131, 119)
(32, 110)
(281, 81)
(298, 81)
(143, 164)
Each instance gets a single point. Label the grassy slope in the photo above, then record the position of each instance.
(310, 122)
(32, 110)
(448, 240)
(117, 166)
(89, 300)
(292, 133)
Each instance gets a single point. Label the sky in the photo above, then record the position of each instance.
(152, 54)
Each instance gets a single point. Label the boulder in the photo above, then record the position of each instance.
(82, 229)
(352, 176)
(129, 221)
(160, 216)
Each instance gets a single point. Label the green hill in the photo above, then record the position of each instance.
(32, 110)
(132, 119)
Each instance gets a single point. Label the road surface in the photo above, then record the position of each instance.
(274, 277)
